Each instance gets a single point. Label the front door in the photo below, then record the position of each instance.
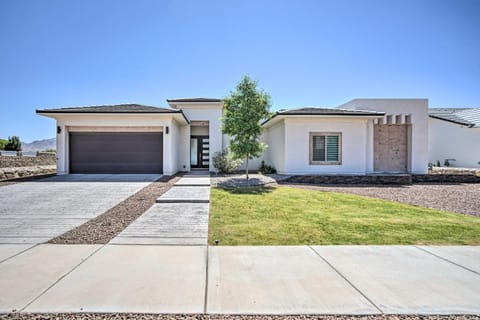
(199, 152)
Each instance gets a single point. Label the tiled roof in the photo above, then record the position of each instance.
(195, 100)
(463, 116)
(322, 111)
(117, 108)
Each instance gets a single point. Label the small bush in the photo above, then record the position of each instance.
(3, 143)
(266, 169)
(13, 144)
(225, 163)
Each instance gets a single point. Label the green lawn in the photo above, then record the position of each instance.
(290, 216)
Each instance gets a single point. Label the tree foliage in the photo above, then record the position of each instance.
(3, 143)
(245, 108)
(13, 144)
(225, 163)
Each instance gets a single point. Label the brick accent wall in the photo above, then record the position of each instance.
(390, 148)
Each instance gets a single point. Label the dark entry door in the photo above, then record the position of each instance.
(199, 152)
(116, 152)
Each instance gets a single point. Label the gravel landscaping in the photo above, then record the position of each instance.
(25, 179)
(460, 198)
(125, 316)
(105, 227)
(239, 180)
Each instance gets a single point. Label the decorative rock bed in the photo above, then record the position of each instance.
(239, 180)
(23, 172)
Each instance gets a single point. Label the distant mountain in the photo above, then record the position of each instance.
(39, 145)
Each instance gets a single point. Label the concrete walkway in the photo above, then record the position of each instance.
(37, 211)
(241, 280)
(180, 216)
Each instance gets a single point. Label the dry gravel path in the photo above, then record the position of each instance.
(460, 198)
(128, 316)
(105, 227)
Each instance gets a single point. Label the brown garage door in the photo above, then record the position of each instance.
(116, 152)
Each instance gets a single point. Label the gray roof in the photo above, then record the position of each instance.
(116, 108)
(195, 100)
(329, 111)
(323, 111)
(463, 116)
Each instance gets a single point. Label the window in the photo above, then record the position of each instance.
(325, 148)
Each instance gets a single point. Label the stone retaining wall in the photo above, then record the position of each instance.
(24, 172)
(400, 179)
(445, 178)
(43, 159)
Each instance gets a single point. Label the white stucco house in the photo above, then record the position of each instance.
(454, 134)
(362, 136)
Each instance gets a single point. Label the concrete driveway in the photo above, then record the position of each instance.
(37, 211)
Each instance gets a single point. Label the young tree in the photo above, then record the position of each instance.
(13, 144)
(245, 108)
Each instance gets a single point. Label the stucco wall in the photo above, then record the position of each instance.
(417, 110)
(253, 164)
(212, 114)
(184, 148)
(175, 153)
(297, 140)
(275, 154)
(452, 141)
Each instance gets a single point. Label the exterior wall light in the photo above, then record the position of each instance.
(59, 129)
(166, 130)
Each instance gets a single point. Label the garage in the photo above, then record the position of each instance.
(116, 152)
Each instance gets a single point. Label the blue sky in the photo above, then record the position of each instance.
(71, 53)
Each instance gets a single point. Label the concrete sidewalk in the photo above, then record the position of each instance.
(240, 280)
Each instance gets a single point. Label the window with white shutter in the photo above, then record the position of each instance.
(326, 148)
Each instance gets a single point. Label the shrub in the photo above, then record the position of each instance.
(13, 144)
(3, 143)
(225, 163)
(266, 169)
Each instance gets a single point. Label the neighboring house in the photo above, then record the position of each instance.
(360, 137)
(454, 133)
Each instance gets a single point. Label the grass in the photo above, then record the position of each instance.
(293, 216)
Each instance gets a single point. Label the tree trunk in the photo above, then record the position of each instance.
(246, 169)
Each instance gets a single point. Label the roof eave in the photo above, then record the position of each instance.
(468, 124)
(319, 115)
(53, 113)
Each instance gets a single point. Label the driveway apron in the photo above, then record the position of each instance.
(180, 216)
